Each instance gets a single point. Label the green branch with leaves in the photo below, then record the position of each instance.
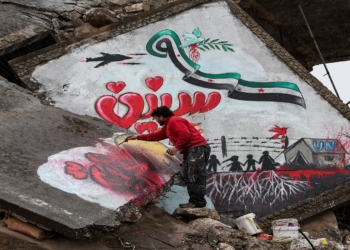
(214, 44)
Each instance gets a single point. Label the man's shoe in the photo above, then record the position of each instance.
(187, 205)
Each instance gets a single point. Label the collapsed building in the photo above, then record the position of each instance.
(83, 74)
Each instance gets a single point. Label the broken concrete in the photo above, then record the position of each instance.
(35, 132)
(284, 22)
(159, 230)
(323, 225)
(298, 244)
(197, 213)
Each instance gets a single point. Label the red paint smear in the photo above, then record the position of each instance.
(298, 174)
(322, 174)
(194, 54)
(122, 173)
(344, 138)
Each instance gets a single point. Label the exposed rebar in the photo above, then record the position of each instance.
(318, 50)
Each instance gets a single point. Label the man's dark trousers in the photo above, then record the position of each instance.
(194, 173)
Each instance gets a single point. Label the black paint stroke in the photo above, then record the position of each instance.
(106, 58)
(232, 92)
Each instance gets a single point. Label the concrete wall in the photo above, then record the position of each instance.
(242, 97)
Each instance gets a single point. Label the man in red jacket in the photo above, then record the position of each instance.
(186, 140)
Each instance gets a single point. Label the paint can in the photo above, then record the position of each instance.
(249, 223)
(285, 228)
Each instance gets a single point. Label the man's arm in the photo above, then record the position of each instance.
(157, 136)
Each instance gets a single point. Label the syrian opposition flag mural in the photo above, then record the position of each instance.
(268, 91)
(273, 137)
(166, 43)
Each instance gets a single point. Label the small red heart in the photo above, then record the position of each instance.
(154, 83)
(115, 87)
(76, 170)
(142, 127)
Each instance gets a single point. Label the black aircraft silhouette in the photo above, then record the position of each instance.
(108, 58)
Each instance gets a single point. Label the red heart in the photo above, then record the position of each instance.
(154, 83)
(76, 170)
(115, 87)
(142, 127)
(105, 107)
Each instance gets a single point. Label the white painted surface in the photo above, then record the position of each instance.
(76, 86)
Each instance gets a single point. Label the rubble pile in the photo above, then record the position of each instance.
(218, 235)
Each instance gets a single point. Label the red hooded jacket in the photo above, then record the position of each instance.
(182, 134)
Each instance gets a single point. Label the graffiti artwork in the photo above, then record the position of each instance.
(105, 105)
(106, 58)
(112, 175)
(311, 166)
(274, 140)
(166, 43)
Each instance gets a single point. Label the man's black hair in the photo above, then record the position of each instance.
(162, 111)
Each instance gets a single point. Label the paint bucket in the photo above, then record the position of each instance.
(285, 228)
(249, 223)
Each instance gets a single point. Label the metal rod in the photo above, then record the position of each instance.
(318, 50)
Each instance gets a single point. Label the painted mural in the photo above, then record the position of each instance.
(274, 140)
(112, 174)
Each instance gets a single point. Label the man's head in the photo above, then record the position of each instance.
(160, 113)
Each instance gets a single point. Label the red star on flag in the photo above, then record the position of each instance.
(210, 80)
(261, 90)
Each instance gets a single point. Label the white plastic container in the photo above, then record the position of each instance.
(285, 231)
(249, 223)
(285, 228)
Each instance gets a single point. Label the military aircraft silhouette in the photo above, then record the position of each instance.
(108, 58)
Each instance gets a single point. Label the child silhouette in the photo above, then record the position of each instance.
(251, 163)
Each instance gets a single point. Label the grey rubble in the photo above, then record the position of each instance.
(32, 132)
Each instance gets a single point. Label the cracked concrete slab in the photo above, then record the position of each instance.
(156, 230)
(37, 135)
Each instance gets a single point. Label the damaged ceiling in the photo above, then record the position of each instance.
(328, 20)
(29, 26)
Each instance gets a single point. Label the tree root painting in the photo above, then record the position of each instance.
(264, 192)
(257, 187)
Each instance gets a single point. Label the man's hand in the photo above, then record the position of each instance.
(131, 137)
(172, 151)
